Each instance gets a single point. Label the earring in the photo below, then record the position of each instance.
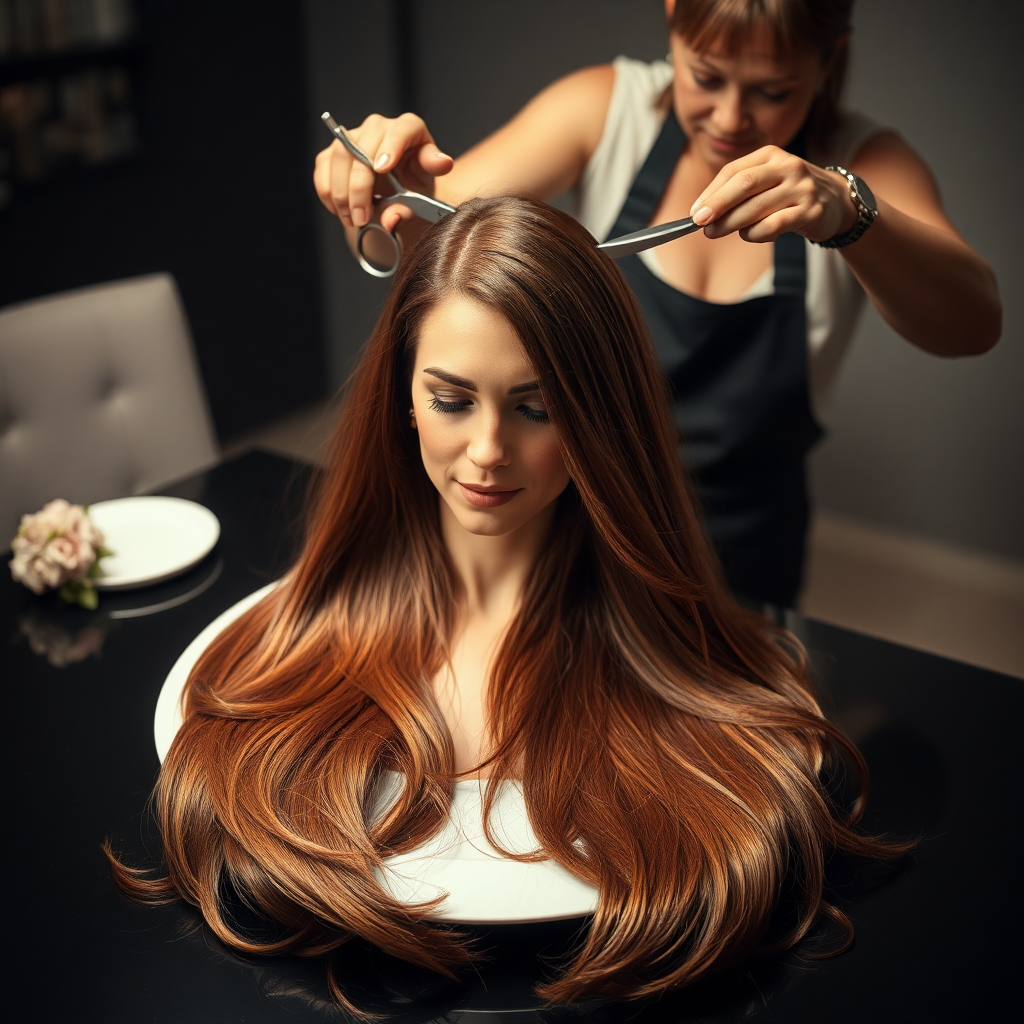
(412, 418)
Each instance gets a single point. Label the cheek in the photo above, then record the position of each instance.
(782, 123)
(439, 443)
(548, 464)
(690, 103)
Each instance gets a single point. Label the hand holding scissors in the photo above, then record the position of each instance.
(433, 210)
(426, 207)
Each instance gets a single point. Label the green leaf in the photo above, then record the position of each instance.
(68, 592)
(102, 552)
(88, 598)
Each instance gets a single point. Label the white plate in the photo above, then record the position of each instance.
(153, 539)
(482, 886)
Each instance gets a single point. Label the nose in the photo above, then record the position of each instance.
(488, 446)
(731, 116)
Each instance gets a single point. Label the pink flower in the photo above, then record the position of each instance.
(57, 544)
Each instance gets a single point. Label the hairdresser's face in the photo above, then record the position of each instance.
(485, 437)
(731, 105)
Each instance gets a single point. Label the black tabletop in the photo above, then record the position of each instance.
(937, 934)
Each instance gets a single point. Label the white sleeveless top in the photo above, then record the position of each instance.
(834, 297)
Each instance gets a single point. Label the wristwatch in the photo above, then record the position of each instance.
(867, 210)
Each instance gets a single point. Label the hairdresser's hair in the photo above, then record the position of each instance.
(794, 26)
(667, 742)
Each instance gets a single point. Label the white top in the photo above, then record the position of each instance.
(834, 298)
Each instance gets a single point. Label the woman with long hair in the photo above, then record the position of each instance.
(806, 209)
(504, 578)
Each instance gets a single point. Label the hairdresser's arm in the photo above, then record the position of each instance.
(542, 150)
(924, 279)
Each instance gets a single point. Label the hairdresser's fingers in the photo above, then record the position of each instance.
(363, 182)
(408, 149)
(361, 187)
(394, 216)
(771, 180)
(738, 181)
(330, 179)
(768, 228)
(748, 212)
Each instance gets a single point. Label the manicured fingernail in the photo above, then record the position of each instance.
(381, 160)
(702, 216)
(445, 156)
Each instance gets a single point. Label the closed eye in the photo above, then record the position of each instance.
(776, 97)
(440, 405)
(534, 415)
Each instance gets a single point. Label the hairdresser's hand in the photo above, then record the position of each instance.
(402, 145)
(769, 192)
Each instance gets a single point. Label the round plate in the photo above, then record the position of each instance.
(153, 539)
(480, 885)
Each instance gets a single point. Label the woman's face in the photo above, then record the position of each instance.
(730, 106)
(485, 437)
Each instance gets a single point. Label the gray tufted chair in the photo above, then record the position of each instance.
(100, 396)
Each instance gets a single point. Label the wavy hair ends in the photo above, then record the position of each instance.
(668, 745)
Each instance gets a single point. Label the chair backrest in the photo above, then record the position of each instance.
(100, 396)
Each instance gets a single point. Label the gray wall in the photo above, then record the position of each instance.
(926, 445)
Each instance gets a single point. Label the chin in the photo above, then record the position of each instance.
(485, 525)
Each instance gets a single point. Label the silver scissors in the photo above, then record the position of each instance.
(423, 206)
(647, 238)
(433, 210)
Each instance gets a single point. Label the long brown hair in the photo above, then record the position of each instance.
(794, 25)
(667, 742)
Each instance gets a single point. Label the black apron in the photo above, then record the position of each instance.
(741, 399)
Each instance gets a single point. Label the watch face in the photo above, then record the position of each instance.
(866, 195)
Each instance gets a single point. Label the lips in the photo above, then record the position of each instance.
(730, 145)
(487, 496)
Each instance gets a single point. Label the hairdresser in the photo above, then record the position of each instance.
(806, 208)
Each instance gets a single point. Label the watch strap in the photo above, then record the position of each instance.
(865, 214)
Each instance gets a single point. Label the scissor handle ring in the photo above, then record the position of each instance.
(367, 264)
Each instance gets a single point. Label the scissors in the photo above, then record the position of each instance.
(423, 206)
(433, 210)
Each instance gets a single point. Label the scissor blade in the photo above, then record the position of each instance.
(342, 136)
(647, 238)
(425, 207)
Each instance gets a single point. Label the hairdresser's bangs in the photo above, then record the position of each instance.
(728, 26)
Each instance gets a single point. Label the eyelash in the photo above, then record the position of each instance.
(533, 415)
(439, 405)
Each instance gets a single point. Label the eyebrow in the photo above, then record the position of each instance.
(766, 81)
(461, 382)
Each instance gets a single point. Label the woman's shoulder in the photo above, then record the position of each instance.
(647, 80)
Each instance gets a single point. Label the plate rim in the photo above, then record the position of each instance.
(194, 508)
